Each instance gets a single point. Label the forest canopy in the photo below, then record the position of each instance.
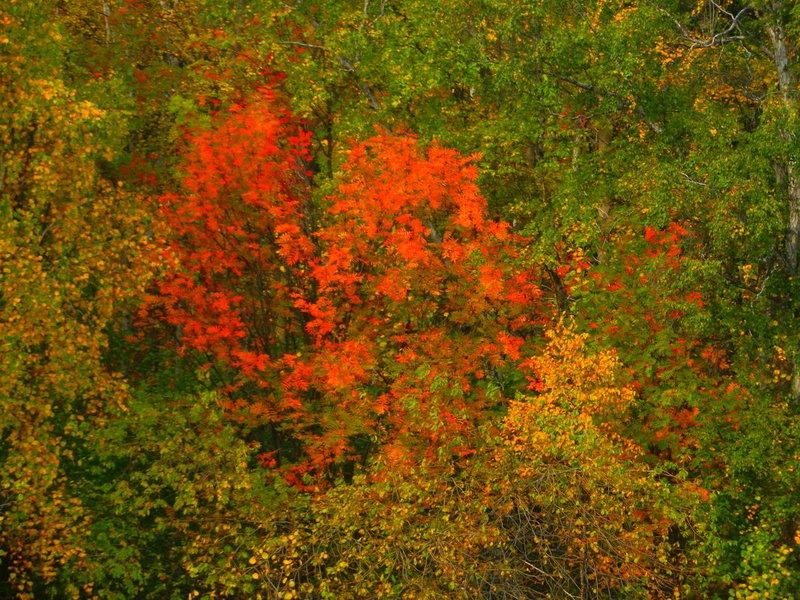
(399, 299)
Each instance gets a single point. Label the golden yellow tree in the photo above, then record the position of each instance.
(68, 248)
(585, 515)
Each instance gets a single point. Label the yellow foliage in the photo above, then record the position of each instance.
(576, 484)
(68, 243)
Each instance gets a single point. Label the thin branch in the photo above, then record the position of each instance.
(302, 45)
(345, 63)
(624, 102)
(694, 181)
(717, 39)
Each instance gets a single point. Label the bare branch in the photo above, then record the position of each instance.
(718, 39)
(303, 45)
(624, 101)
(348, 66)
(694, 181)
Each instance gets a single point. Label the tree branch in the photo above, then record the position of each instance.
(624, 102)
(718, 39)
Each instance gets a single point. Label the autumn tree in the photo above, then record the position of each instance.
(392, 314)
(586, 516)
(69, 250)
(160, 61)
(557, 503)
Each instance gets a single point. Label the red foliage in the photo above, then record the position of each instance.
(381, 323)
(237, 237)
(645, 304)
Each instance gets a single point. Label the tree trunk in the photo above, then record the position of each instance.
(786, 171)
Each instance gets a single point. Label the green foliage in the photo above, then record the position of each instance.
(176, 507)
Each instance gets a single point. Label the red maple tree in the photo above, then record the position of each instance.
(391, 320)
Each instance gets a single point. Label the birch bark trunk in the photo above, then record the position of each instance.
(786, 171)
